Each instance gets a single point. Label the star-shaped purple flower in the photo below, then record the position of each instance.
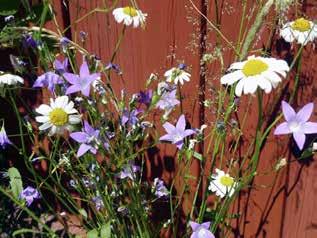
(297, 123)
(81, 82)
(177, 134)
(130, 118)
(145, 97)
(4, 140)
(29, 194)
(168, 101)
(201, 230)
(89, 139)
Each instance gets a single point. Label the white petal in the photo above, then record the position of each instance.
(43, 109)
(231, 78)
(42, 119)
(45, 126)
(74, 119)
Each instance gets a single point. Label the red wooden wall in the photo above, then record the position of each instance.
(281, 205)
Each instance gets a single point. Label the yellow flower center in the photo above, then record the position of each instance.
(226, 181)
(254, 67)
(58, 117)
(301, 24)
(131, 11)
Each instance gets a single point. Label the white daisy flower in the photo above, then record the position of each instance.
(301, 30)
(256, 72)
(129, 15)
(60, 115)
(177, 75)
(9, 79)
(222, 184)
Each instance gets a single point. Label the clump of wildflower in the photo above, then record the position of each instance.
(82, 82)
(4, 140)
(297, 123)
(176, 134)
(129, 15)
(300, 30)
(178, 74)
(88, 139)
(222, 184)
(201, 230)
(256, 72)
(29, 194)
(60, 115)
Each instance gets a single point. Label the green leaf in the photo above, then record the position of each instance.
(198, 156)
(105, 231)
(9, 7)
(83, 213)
(15, 182)
(93, 234)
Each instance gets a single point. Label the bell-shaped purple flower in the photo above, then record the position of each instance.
(297, 123)
(82, 82)
(201, 230)
(160, 189)
(4, 140)
(130, 118)
(61, 66)
(29, 194)
(129, 171)
(145, 97)
(88, 138)
(176, 134)
(49, 80)
(168, 101)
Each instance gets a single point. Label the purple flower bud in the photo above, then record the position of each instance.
(182, 66)
(83, 35)
(28, 41)
(4, 140)
(114, 67)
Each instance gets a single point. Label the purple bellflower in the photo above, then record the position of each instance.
(160, 189)
(61, 66)
(29, 194)
(145, 97)
(4, 140)
(201, 230)
(176, 134)
(81, 82)
(49, 80)
(89, 139)
(130, 118)
(129, 171)
(28, 41)
(98, 202)
(297, 123)
(167, 101)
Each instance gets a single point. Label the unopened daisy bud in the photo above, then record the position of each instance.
(280, 164)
